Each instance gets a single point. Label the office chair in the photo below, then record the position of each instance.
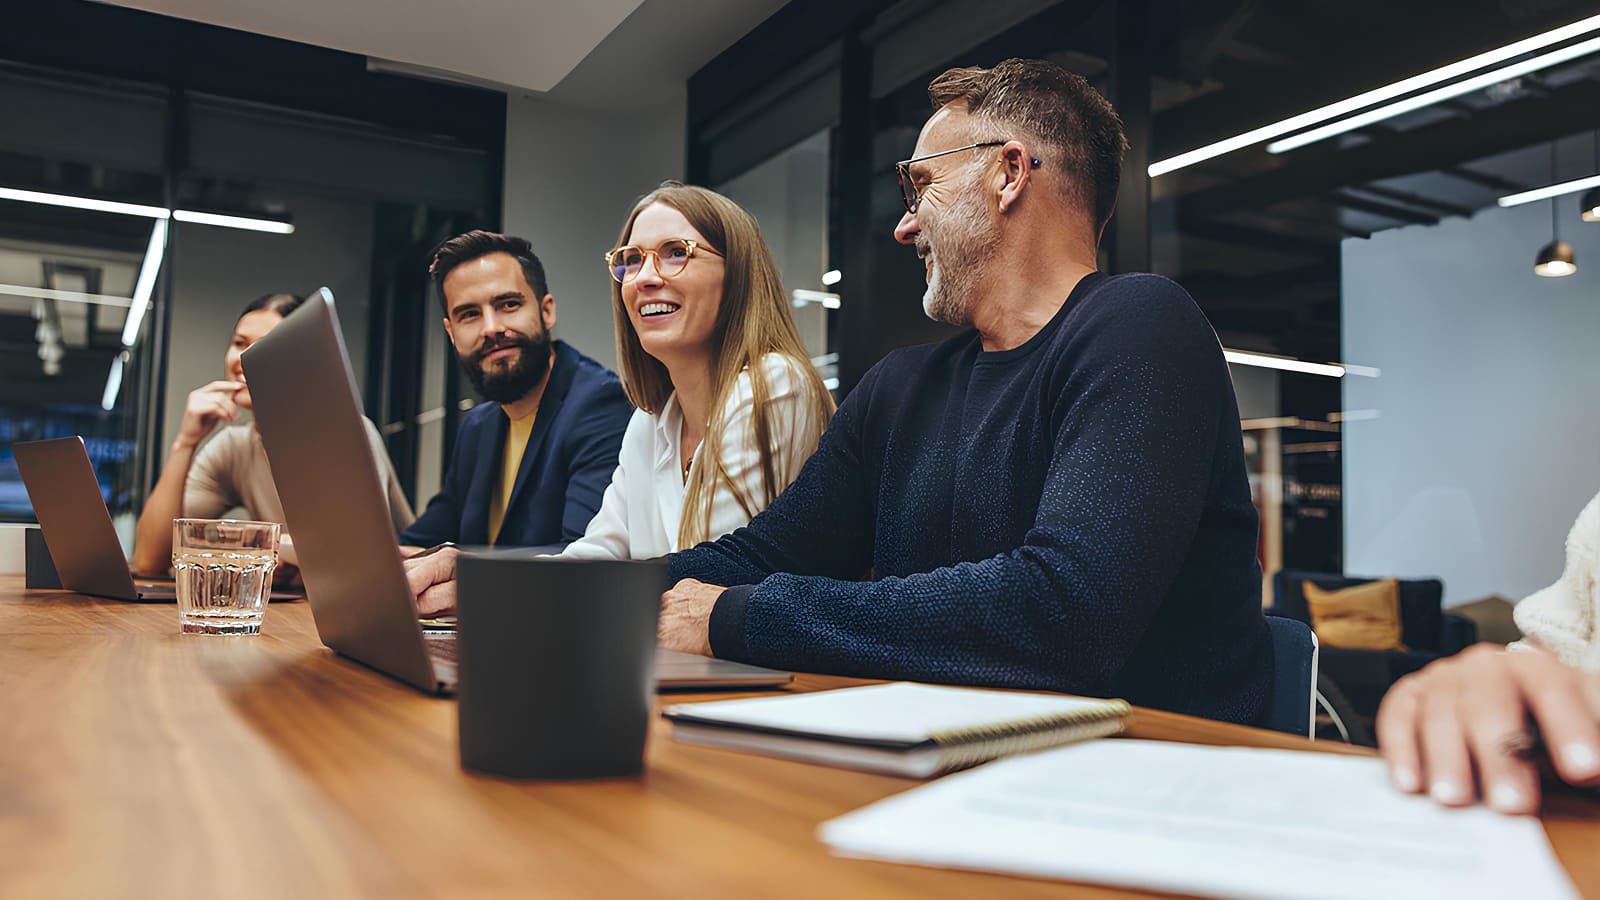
(1293, 706)
(1364, 676)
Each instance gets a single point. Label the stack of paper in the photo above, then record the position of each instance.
(1223, 822)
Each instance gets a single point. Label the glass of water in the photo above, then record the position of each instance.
(223, 569)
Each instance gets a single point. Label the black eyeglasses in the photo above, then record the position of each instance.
(908, 190)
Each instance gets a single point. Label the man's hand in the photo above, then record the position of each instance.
(686, 616)
(433, 581)
(1471, 711)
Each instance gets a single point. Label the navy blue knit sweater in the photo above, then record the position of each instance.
(1072, 514)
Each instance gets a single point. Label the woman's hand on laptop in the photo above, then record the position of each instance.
(432, 577)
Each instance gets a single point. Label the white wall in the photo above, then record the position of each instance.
(571, 176)
(1488, 437)
(216, 271)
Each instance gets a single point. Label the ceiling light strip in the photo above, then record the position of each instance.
(248, 223)
(108, 397)
(89, 203)
(1285, 363)
(1476, 83)
(1375, 96)
(36, 293)
(1554, 190)
(146, 285)
(270, 226)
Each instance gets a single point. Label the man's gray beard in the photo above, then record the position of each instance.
(959, 266)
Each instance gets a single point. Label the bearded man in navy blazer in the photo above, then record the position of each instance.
(530, 468)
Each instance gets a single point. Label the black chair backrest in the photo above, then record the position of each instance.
(1294, 676)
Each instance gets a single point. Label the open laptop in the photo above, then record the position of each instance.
(308, 412)
(77, 526)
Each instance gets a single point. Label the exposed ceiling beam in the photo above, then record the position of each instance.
(1440, 206)
(1275, 290)
(1250, 236)
(1485, 179)
(1347, 200)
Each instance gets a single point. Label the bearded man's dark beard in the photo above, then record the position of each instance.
(510, 383)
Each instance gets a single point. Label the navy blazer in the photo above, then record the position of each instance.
(565, 469)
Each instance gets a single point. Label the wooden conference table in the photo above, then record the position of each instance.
(135, 761)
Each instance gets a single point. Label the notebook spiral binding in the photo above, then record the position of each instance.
(962, 748)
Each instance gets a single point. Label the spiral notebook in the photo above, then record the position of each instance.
(914, 730)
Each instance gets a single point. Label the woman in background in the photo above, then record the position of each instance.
(204, 479)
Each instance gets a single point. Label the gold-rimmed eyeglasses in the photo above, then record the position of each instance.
(908, 188)
(670, 255)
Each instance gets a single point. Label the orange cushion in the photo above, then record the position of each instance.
(1362, 617)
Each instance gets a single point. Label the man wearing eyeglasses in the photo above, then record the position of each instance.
(1054, 499)
(530, 468)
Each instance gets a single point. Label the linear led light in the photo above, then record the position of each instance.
(108, 397)
(270, 226)
(1286, 363)
(146, 284)
(1476, 83)
(110, 206)
(22, 290)
(832, 277)
(1376, 95)
(1554, 190)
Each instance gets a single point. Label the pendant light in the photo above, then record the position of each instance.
(1555, 259)
(1589, 206)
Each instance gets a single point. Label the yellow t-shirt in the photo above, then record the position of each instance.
(510, 462)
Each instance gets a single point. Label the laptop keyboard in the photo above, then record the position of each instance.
(441, 645)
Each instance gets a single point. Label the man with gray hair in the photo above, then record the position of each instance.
(1055, 498)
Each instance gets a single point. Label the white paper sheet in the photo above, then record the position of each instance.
(1224, 822)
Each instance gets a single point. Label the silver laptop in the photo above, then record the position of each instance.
(76, 525)
(308, 412)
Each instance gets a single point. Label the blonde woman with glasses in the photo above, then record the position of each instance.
(729, 406)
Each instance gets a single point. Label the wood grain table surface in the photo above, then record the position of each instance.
(138, 762)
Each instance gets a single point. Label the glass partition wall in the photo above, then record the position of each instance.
(124, 263)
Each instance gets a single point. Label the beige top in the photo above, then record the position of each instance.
(231, 470)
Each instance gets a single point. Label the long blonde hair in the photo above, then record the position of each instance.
(753, 321)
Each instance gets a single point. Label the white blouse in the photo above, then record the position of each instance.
(638, 519)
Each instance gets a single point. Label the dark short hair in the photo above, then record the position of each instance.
(1056, 107)
(282, 304)
(464, 248)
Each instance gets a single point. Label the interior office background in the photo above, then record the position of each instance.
(1452, 430)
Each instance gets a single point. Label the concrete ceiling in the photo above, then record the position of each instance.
(658, 47)
(590, 54)
(529, 45)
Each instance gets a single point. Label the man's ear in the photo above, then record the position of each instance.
(547, 310)
(449, 329)
(1018, 164)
